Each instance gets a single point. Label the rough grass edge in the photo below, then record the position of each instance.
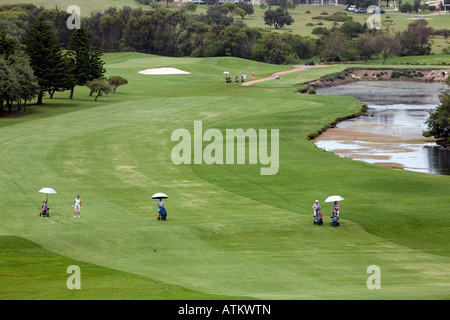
(361, 112)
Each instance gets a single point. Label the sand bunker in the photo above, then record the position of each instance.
(159, 71)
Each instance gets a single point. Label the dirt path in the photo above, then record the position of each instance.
(296, 69)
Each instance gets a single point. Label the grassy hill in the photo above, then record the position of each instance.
(231, 232)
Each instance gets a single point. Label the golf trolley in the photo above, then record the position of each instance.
(45, 211)
(318, 219)
(335, 219)
(162, 214)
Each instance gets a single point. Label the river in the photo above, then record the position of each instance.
(391, 132)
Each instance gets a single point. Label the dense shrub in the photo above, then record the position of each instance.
(337, 16)
(318, 30)
(405, 73)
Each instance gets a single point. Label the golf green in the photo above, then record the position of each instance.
(231, 232)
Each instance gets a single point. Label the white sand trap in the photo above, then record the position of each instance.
(157, 71)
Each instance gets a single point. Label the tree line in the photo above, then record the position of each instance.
(38, 56)
(183, 32)
(61, 59)
(18, 84)
(353, 41)
(38, 64)
(161, 31)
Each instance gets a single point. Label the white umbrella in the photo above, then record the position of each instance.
(333, 199)
(160, 195)
(226, 72)
(47, 191)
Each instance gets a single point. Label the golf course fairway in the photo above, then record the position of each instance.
(231, 232)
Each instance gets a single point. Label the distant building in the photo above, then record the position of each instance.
(436, 3)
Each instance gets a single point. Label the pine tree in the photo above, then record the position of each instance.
(67, 81)
(96, 69)
(79, 45)
(43, 48)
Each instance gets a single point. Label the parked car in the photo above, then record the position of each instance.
(378, 10)
(351, 8)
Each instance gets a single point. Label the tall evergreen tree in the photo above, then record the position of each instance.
(79, 45)
(96, 69)
(43, 48)
(68, 79)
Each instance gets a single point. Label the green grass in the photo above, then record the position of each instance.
(231, 233)
(433, 61)
(29, 271)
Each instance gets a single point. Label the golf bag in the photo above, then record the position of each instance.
(45, 210)
(162, 214)
(335, 219)
(318, 218)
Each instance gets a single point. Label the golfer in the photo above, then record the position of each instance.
(77, 204)
(316, 209)
(335, 216)
(336, 209)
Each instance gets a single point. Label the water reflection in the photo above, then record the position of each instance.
(439, 160)
(391, 133)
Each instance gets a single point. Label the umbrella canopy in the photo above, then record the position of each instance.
(159, 195)
(47, 191)
(333, 199)
(226, 72)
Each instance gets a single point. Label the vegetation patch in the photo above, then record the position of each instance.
(337, 16)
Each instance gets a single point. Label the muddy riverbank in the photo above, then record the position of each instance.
(390, 132)
(349, 75)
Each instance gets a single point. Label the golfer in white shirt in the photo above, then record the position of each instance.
(78, 206)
